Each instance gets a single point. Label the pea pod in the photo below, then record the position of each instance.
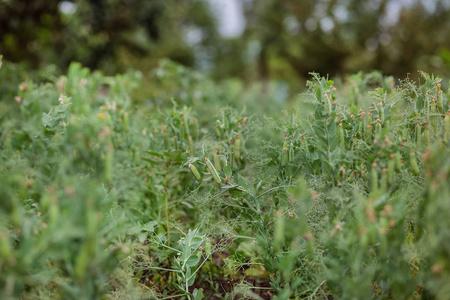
(82, 261)
(291, 153)
(327, 104)
(341, 138)
(360, 128)
(398, 161)
(166, 140)
(191, 145)
(369, 128)
(434, 118)
(374, 178)
(217, 129)
(391, 168)
(378, 128)
(125, 121)
(213, 171)
(237, 145)
(136, 157)
(440, 102)
(426, 134)
(381, 114)
(217, 160)
(195, 172)
(384, 180)
(284, 157)
(447, 126)
(232, 154)
(418, 134)
(413, 161)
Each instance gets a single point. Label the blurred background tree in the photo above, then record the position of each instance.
(282, 40)
(104, 34)
(337, 37)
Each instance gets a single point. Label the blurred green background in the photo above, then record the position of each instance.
(280, 40)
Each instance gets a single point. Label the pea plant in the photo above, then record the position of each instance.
(191, 193)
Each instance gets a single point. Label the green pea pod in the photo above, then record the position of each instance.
(341, 138)
(360, 128)
(237, 145)
(398, 162)
(369, 129)
(217, 160)
(125, 121)
(447, 126)
(91, 223)
(191, 145)
(381, 112)
(213, 171)
(413, 161)
(53, 210)
(391, 168)
(195, 172)
(217, 129)
(166, 140)
(291, 153)
(374, 179)
(136, 157)
(231, 155)
(418, 134)
(284, 157)
(81, 262)
(426, 135)
(384, 181)
(434, 118)
(327, 105)
(440, 103)
(378, 129)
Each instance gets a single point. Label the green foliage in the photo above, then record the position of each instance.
(280, 41)
(111, 35)
(103, 197)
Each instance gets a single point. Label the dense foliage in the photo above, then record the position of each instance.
(207, 190)
(282, 40)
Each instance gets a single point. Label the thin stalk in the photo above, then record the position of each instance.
(244, 237)
(315, 291)
(164, 269)
(270, 190)
(198, 268)
(168, 247)
(166, 203)
(251, 264)
(171, 297)
(187, 288)
(166, 200)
